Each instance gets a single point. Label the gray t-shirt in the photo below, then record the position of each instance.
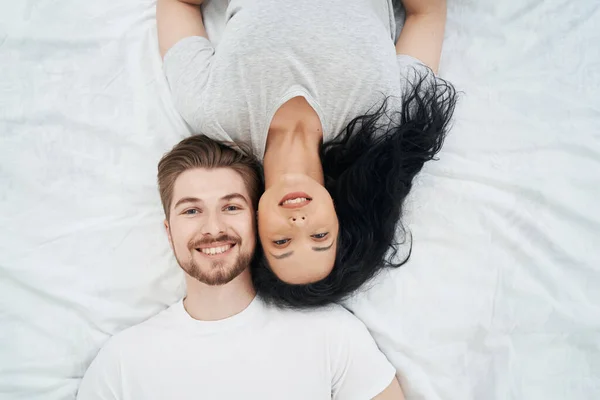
(337, 54)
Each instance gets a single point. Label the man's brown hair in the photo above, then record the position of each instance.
(199, 151)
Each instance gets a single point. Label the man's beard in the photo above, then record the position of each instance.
(217, 273)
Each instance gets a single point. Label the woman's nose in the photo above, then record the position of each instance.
(298, 220)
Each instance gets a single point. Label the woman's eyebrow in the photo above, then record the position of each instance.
(284, 255)
(323, 248)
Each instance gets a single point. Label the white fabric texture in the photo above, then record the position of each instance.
(263, 352)
(500, 299)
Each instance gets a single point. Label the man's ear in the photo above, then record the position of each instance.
(167, 228)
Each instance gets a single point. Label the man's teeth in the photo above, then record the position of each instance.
(295, 201)
(215, 250)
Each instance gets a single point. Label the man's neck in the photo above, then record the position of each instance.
(212, 303)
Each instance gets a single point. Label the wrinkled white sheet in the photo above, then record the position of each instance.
(500, 299)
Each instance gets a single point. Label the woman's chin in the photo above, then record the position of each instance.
(296, 179)
(297, 183)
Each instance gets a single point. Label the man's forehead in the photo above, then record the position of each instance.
(208, 183)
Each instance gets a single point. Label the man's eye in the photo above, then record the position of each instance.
(232, 208)
(320, 235)
(191, 211)
(281, 242)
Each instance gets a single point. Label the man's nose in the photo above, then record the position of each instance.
(213, 225)
(298, 220)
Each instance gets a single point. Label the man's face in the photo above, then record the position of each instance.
(211, 226)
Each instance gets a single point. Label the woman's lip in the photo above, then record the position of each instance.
(294, 195)
(295, 205)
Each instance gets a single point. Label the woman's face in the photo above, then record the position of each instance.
(298, 229)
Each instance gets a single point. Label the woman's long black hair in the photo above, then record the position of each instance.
(369, 169)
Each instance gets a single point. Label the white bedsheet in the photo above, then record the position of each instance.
(501, 298)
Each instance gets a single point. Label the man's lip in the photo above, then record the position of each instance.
(215, 244)
(294, 195)
(199, 250)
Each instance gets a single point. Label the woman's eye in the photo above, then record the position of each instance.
(281, 242)
(320, 235)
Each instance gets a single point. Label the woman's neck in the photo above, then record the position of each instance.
(293, 143)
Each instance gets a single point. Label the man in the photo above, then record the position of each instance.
(222, 341)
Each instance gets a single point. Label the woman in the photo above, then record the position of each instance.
(342, 117)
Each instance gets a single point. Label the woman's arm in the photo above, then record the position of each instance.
(392, 392)
(423, 32)
(176, 20)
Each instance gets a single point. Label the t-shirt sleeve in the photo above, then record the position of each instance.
(412, 69)
(187, 66)
(425, 93)
(102, 380)
(360, 370)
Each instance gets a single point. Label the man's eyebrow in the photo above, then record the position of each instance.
(187, 200)
(284, 255)
(323, 248)
(233, 196)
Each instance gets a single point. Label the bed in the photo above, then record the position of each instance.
(501, 297)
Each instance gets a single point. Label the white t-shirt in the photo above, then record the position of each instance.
(339, 55)
(263, 353)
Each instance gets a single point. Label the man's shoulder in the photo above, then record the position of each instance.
(137, 335)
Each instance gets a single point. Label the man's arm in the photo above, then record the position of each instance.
(102, 380)
(176, 20)
(359, 369)
(423, 32)
(392, 392)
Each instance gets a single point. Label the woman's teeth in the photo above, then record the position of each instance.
(216, 250)
(295, 201)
